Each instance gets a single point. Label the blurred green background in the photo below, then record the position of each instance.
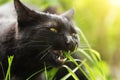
(100, 22)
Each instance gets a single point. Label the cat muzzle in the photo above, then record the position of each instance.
(58, 55)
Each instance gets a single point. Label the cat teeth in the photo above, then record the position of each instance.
(62, 60)
(59, 58)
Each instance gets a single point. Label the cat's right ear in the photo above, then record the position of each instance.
(25, 16)
(68, 14)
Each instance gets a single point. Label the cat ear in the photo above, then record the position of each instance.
(68, 14)
(24, 14)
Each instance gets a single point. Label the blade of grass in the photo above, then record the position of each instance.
(36, 73)
(10, 60)
(73, 60)
(74, 70)
(86, 54)
(84, 38)
(97, 60)
(90, 71)
(52, 73)
(70, 72)
(46, 74)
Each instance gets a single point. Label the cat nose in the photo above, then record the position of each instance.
(68, 40)
(70, 43)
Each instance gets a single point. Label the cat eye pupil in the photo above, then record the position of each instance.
(53, 30)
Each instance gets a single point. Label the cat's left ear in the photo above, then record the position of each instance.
(68, 14)
(25, 16)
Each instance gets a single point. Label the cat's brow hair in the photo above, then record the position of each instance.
(53, 16)
(48, 14)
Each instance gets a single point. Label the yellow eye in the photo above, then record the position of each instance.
(53, 30)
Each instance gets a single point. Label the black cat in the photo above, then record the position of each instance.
(35, 38)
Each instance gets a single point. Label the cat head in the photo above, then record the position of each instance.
(47, 35)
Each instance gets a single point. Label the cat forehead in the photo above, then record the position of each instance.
(52, 16)
(57, 22)
(54, 20)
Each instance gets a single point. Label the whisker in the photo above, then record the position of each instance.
(36, 41)
(32, 43)
(38, 45)
(45, 53)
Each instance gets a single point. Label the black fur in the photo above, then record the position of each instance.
(32, 42)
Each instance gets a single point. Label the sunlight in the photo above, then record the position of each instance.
(115, 2)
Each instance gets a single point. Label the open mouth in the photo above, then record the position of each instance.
(58, 56)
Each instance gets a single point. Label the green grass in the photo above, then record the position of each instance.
(10, 59)
(96, 68)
